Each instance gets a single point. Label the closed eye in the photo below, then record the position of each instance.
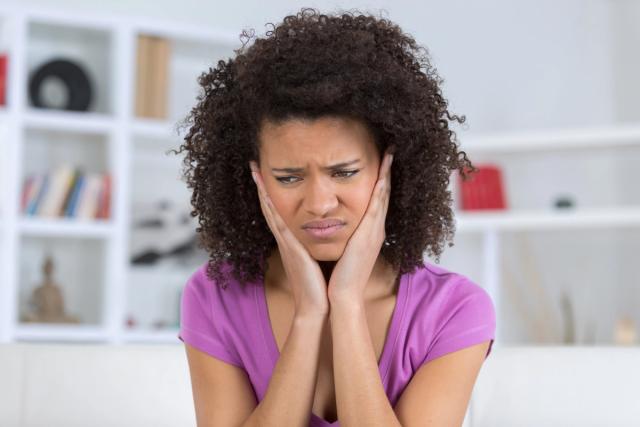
(342, 174)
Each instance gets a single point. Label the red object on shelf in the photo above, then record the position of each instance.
(3, 79)
(483, 190)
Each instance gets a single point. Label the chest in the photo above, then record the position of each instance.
(281, 311)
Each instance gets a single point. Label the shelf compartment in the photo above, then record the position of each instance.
(78, 271)
(153, 298)
(45, 151)
(88, 47)
(160, 223)
(594, 269)
(538, 180)
(159, 200)
(188, 59)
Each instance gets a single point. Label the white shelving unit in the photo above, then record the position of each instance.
(93, 266)
(610, 208)
(592, 165)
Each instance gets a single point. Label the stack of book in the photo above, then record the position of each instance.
(152, 77)
(483, 190)
(67, 192)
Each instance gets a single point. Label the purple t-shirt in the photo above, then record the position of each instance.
(437, 312)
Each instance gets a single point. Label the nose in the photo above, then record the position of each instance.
(320, 197)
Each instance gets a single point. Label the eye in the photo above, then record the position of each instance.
(352, 173)
(341, 174)
(283, 179)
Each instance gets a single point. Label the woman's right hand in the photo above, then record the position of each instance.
(308, 285)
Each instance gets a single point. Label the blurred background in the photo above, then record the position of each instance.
(96, 240)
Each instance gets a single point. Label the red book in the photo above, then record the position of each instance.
(3, 79)
(105, 197)
(483, 190)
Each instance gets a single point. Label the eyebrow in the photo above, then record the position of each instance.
(332, 167)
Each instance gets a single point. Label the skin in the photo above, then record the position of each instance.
(317, 193)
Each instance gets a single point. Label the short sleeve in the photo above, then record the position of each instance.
(199, 325)
(468, 319)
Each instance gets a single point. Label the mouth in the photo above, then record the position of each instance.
(324, 232)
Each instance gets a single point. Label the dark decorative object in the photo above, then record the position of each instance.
(162, 230)
(564, 202)
(73, 91)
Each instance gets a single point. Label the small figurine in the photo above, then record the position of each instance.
(48, 301)
(625, 331)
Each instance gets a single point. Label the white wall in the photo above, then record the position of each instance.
(507, 65)
(626, 58)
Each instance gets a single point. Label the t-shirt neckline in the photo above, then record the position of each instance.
(388, 348)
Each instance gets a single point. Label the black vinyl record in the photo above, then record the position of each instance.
(75, 83)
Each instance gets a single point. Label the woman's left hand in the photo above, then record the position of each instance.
(352, 271)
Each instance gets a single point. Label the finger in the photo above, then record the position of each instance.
(381, 203)
(385, 178)
(281, 231)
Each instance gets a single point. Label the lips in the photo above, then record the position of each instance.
(326, 233)
(325, 223)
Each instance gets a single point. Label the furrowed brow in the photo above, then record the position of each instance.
(332, 167)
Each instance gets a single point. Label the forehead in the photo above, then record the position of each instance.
(326, 136)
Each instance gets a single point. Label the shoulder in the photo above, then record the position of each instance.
(211, 317)
(205, 288)
(204, 300)
(452, 309)
(444, 291)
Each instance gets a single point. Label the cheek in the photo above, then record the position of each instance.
(360, 201)
(283, 206)
(358, 198)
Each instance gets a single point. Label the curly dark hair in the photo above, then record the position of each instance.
(348, 64)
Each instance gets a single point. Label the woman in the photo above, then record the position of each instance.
(319, 160)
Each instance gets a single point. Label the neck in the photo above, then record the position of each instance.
(327, 269)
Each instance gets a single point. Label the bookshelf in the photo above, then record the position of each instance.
(104, 287)
(587, 250)
(92, 256)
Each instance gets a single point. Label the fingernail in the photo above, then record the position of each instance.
(253, 176)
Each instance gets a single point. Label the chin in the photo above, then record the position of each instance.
(326, 251)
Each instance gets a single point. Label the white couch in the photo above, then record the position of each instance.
(97, 385)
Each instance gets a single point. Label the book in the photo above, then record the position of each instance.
(152, 76)
(71, 207)
(53, 200)
(88, 202)
(142, 71)
(4, 59)
(104, 205)
(42, 184)
(160, 81)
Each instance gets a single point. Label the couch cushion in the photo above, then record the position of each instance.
(558, 386)
(103, 385)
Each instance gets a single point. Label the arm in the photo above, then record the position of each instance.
(360, 396)
(438, 394)
(289, 397)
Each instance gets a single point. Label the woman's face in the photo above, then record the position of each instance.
(300, 163)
